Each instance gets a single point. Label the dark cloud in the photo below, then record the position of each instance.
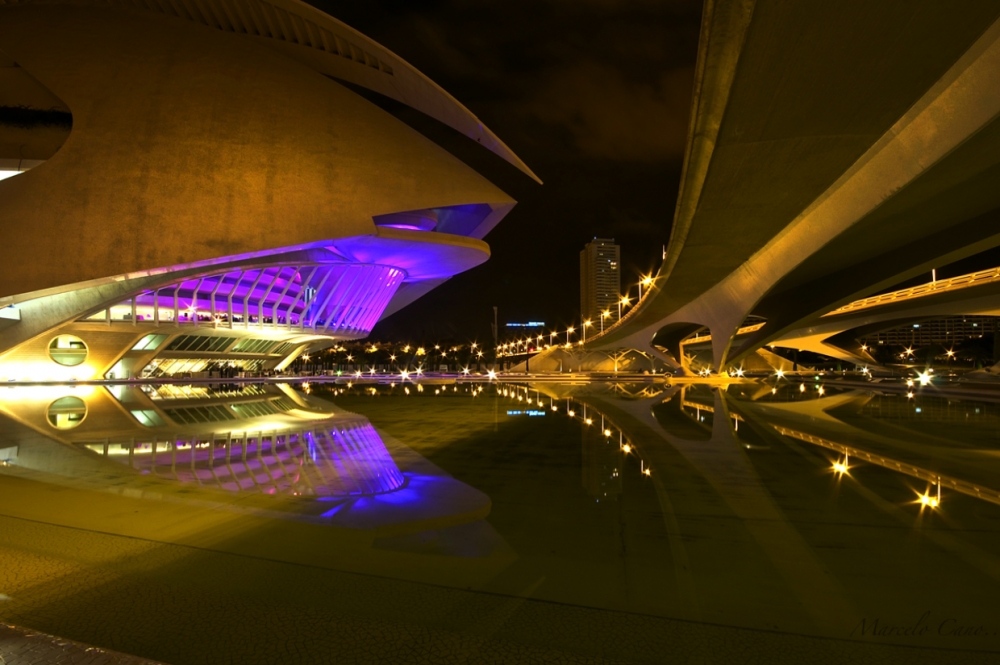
(594, 95)
(612, 117)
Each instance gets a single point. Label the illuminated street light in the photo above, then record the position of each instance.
(568, 331)
(625, 300)
(646, 281)
(586, 324)
(605, 314)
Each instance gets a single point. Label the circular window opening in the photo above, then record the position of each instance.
(68, 350)
(67, 412)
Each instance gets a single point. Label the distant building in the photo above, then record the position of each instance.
(600, 279)
(945, 331)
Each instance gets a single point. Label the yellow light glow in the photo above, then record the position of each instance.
(840, 468)
(928, 501)
(607, 432)
(491, 374)
(572, 413)
(626, 448)
(910, 395)
(802, 387)
(924, 377)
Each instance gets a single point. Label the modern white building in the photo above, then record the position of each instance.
(189, 185)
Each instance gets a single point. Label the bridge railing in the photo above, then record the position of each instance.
(922, 290)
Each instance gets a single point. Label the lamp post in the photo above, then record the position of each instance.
(568, 331)
(586, 324)
(625, 300)
(646, 281)
(605, 314)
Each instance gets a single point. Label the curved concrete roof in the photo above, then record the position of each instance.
(330, 47)
(190, 144)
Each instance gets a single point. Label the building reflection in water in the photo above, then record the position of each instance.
(264, 439)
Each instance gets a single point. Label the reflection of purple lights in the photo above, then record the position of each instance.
(348, 461)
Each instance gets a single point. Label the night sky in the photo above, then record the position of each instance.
(594, 96)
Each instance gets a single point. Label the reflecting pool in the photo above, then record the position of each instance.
(481, 522)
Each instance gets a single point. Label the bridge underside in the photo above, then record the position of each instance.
(822, 170)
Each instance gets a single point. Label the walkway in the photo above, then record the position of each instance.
(24, 647)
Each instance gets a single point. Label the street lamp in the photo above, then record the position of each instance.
(625, 300)
(586, 324)
(646, 281)
(568, 331)
(605, 314)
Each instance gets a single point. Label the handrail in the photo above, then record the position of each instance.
(707, 338)
(930, 288)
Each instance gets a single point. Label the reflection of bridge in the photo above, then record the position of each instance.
(767, 495)
(813, 180)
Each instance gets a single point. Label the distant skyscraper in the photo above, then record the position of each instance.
(600, 280)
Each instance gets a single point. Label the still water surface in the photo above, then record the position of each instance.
(469, 522)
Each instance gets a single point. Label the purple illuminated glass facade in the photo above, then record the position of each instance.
(332, 299)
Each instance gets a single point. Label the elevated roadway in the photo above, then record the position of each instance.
(835, 151)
